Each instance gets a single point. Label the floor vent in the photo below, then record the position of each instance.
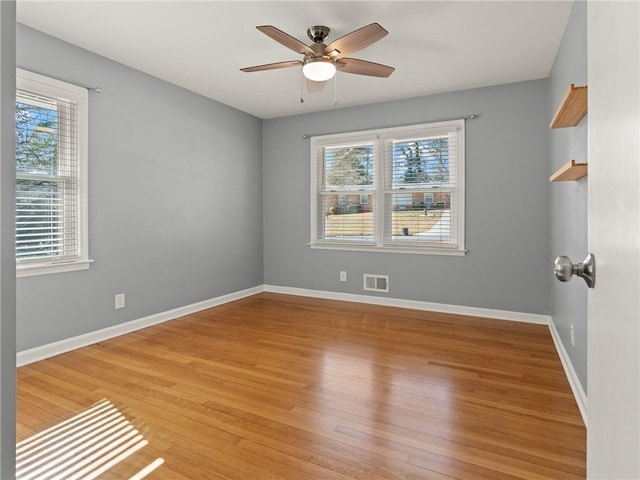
(376, 283)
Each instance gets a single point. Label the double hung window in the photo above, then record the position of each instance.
(396, 190)
(51, 175)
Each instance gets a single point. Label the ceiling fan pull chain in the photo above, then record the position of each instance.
(301, 88)
(335, 90)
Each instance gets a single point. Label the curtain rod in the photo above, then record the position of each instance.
(471, 116)
(90, 89)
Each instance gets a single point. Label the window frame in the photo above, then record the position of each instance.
(382, 189)
(37, 84)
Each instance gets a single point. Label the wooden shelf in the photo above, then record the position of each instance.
(572, 109)
(570, 172)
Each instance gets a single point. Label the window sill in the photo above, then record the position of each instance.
(372, 248)
(34, 269)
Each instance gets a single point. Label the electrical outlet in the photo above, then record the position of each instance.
(119, 301)
(573, 337)
(343, 276)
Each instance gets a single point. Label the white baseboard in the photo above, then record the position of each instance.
(414, 304)
(572, 376)
(56, 348)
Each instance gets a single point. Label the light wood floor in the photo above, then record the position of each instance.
(284, 387)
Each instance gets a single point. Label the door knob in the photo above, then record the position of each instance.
(564, 269)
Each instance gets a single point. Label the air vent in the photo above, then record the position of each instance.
(376, 283)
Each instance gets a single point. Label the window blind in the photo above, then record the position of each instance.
(421, 185)
(346, 194)
(47, 200)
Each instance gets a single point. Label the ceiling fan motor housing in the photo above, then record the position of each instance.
(318, 33)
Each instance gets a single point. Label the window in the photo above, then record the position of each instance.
(428, 201)
(51, 175)
(411, 180)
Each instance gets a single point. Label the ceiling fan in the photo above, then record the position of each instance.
(321, 61)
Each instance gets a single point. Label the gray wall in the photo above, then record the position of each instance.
(175, 191)
(568, 200)
(7, 240)
(507, 203)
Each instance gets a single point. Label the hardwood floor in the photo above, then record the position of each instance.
(285, 387)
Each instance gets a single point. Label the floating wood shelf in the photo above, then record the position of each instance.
(570, 172)
(572, 109)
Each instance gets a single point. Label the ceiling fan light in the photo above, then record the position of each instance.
(318, 69)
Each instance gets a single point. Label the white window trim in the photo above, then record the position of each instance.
(36, 83)
(379, 245)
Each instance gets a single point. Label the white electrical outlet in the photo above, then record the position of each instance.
(343, 276)
(573, 337)
(119, 301)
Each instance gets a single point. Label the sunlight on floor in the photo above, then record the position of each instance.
(83, 447)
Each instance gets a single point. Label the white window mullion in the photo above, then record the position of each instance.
(380, 180)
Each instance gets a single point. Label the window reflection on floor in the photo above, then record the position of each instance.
(85, 447)
(394, 398)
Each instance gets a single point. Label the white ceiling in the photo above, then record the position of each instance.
(435, 46)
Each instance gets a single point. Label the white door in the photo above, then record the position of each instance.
(613, 445)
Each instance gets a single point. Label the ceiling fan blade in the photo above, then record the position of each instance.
(285, 39)
(313, 86)
(356, 40)
(272, 66)
(363, 67)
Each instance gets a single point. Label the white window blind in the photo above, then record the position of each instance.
(346, 176)
(50, 175)
(411, 180)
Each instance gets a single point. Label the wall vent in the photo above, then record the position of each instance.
(376, 283)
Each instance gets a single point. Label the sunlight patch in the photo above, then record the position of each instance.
(83, 447)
